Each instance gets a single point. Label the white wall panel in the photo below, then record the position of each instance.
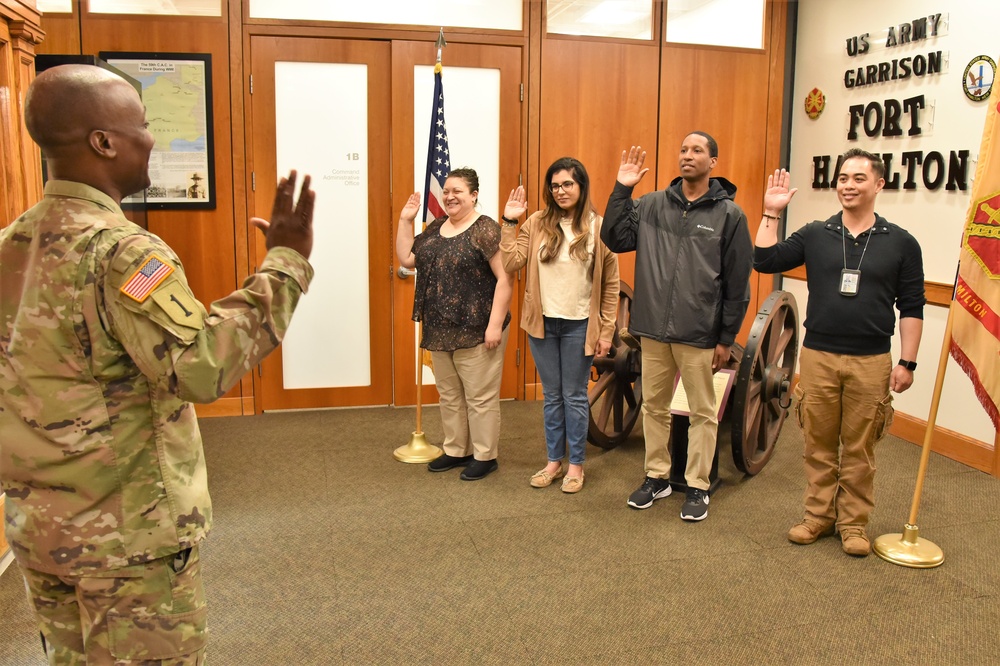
(326, 135)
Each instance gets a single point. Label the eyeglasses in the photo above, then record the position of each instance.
(565, 187)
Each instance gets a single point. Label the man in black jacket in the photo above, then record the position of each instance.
(692, 271)
(858, 265)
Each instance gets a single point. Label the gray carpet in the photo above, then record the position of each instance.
(328, 551)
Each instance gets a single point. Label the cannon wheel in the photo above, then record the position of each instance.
(616, 392)
(761, 398)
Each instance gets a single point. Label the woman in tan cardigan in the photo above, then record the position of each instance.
(570, 303)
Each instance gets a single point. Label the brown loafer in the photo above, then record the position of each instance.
(808, 532)
(572, 484)
(542, 479)
(854, 541)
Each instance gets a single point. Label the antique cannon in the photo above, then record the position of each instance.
(754, 410)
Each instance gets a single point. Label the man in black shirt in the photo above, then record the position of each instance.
(858, 267)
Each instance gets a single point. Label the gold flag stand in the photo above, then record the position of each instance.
(417, 450)
(909, 549)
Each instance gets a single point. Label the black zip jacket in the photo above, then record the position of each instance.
(692, 262)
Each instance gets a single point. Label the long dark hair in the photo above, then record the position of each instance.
(549, 221)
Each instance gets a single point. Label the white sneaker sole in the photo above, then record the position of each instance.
(663, 493)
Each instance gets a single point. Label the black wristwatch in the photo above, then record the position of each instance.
(909, 365)
(509, 222)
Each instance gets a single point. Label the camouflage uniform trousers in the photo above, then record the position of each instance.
(151, 614)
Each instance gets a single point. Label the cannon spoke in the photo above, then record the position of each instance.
(615, 396)
(762, 382)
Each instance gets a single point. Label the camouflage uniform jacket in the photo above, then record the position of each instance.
(100, 453)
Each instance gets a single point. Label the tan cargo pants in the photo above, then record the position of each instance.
(844, 407)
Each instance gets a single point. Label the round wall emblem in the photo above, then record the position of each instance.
(978, 78)
(815, 103)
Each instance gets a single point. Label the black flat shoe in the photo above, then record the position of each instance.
(445, 462)
(477, 469)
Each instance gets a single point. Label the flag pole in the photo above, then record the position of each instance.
(908, 548)
(418, 450)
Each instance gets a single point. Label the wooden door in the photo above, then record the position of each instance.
(321, 106)
(482, 91)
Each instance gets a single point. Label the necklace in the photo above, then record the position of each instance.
(850, 278)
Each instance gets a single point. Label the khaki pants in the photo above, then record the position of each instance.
(468, 381)
(844, 407)
(660, 363)
(153, 612)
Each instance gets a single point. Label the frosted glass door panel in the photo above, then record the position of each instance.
(472, 116)
(495, 14)
(326, 135)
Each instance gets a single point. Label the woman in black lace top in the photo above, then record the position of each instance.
(462, 297)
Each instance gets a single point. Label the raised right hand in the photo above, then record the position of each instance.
(290, 226)
(517, 204)
(777, 195)
(631, 172)
(411, 208)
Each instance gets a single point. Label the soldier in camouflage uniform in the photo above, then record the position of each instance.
(103, 348)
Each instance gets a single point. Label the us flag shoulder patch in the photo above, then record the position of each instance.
(145, 280)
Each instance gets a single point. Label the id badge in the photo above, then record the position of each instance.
(849, 279)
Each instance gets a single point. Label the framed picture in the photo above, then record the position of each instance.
(177, 92)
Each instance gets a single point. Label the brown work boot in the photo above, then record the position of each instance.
(808, 532)
(855, 541)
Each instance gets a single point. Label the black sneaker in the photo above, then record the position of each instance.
(444, 462)
(696, 505)
(477, 469)
(651, 489)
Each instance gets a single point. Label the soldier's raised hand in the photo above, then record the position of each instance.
(631, 172)
(291, 222)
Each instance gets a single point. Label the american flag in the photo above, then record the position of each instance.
(144, 280)
(438, 159)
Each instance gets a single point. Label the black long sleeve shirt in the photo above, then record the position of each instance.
(892, 274)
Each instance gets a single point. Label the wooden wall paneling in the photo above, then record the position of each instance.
(24, 38)
(205, 240)
(62, 33)
(246, 235)
(598, 98)
(531, 174)
(10, 141)
(776, 43)
(20, 162)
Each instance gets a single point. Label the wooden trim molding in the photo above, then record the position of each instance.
(948, 443)
(225, 407)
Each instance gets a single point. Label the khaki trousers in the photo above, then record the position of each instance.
(660, 364)
(468, 381)
(844, 407)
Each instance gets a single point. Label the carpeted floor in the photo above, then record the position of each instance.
(328, 551)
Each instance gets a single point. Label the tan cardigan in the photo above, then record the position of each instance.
(520, 249)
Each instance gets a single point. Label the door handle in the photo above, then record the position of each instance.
(403, 273)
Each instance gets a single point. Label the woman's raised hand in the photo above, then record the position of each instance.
(409, 212)
(517, 204)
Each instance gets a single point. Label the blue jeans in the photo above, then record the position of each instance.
(564, 369)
